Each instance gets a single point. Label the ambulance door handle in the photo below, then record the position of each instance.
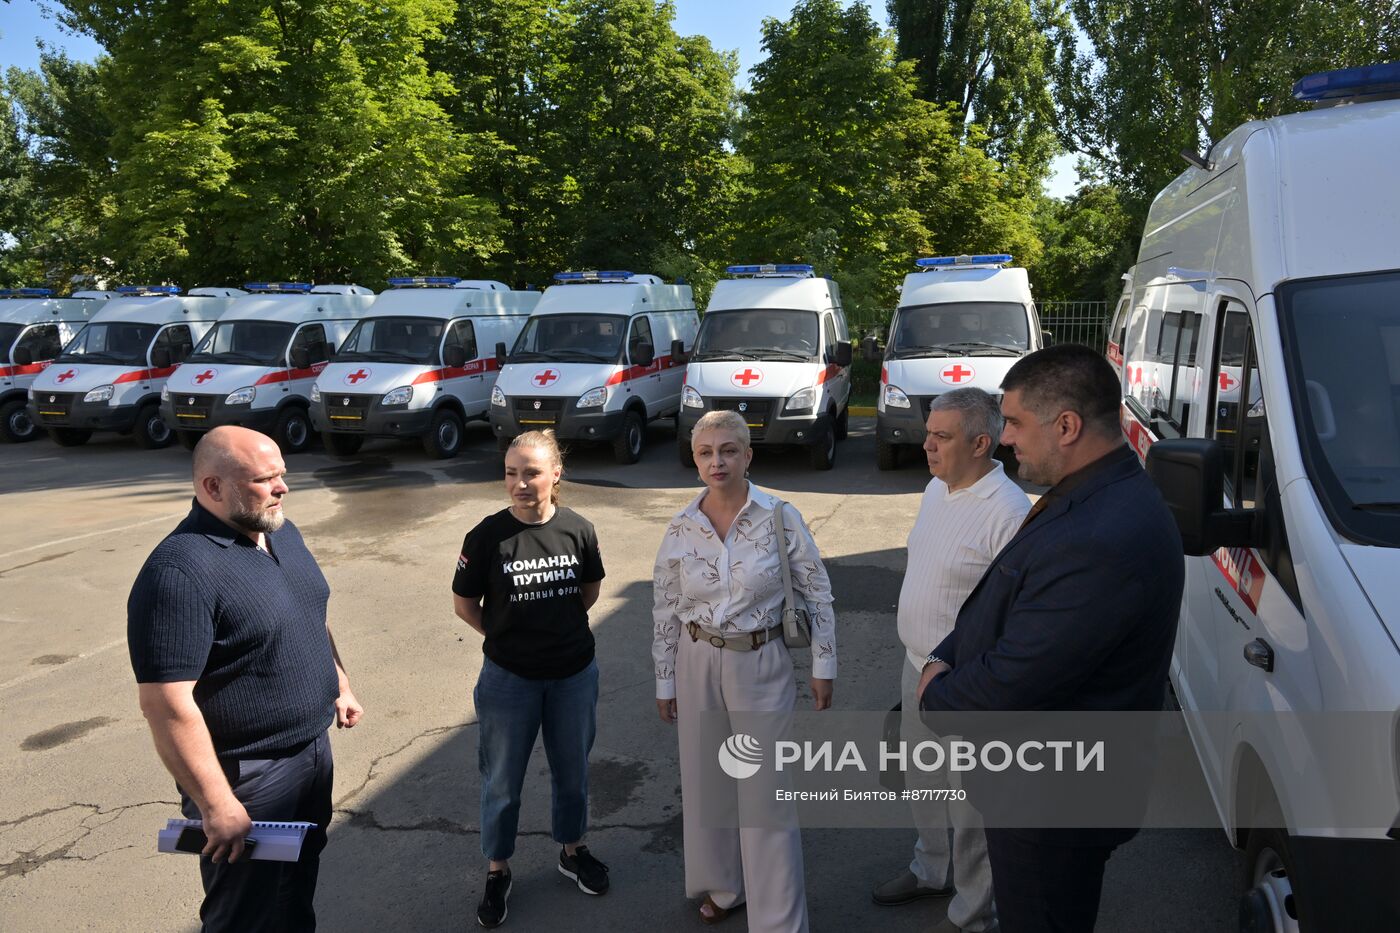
(1260, 654)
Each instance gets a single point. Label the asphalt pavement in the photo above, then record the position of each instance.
(83, 792)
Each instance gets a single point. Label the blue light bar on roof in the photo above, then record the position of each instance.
(424, 281)
(990, 259)
(26, 292)
(1363, 81)
(149, 290)
(783, 270)
(607, 275)
(278, 286)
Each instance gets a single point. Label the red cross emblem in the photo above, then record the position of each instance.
(1227, 382)
(64, 377)
(545, 378)
(747, 378)
(355, 377)
(204, 376)
(956, 373)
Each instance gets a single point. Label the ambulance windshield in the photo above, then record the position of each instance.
(571, 338)
(393, 340)
(1343, 348)
(757, 334)
(255, 343)
(972, 328)
(120, 343)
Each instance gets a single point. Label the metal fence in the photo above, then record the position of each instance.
(1083, 322)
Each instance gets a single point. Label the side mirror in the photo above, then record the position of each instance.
(501, 354)
(644, 354)
(330, 349)
(300, 357)
(843, 353)
(24, 356)
(678, 354)
(870, 349)
(1046, 338)
(455, 356)
(160, 358)
(1190, 474)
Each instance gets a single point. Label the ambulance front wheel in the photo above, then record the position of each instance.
(444, 437)
(152, 432)
(69, 437)
(503, 443)
(843, 423)
(823, 452)
(293, 430)
(886, 455)
(15, 424)
(627, 447)
(342, 445)
(684, 453)
(189, 439)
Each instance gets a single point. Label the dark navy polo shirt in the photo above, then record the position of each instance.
(247, 626)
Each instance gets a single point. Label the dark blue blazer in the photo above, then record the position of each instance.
(1078, 611)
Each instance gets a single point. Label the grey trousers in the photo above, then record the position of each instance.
(757, 865)
(952, 846)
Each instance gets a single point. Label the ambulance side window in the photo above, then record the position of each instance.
(42, 340)
(829, 338)
(641, 333)
(462, 335)
(177, 340)
(312, 337)
(1240, 430)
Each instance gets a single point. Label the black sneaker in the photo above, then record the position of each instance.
(491, 912)
(582, 867)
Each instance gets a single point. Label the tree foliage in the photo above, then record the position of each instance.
(849, 170)
(993, 60)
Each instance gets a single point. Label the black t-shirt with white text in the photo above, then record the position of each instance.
(531, 578)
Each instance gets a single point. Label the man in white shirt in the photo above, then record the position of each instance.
(970, 509)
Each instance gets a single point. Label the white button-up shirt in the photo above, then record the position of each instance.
(733, 585)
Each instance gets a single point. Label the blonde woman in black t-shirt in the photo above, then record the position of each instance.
(525, 580)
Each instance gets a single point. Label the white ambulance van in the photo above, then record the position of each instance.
(419, 365)
(34, 326)
(962, 322)
(1266, 310)
(775, 348)
(110, 376)
(597, 360)
(1118, 326)
(256, 366)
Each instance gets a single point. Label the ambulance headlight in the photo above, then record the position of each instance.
(802, 401)
(315, 392)
(99, 394)
(895, 397)
(400, 396)
(498, 397)
(593, 398)
(243, 396)
(165, 393)
(692, 399)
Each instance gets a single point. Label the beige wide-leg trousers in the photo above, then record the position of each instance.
(758, 865)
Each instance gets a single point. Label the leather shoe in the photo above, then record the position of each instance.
(905, 888)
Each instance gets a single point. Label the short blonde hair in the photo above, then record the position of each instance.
(723, 421)
(546, 441)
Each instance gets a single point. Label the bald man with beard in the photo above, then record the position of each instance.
(239, 680)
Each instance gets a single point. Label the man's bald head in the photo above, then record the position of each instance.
(238, 477)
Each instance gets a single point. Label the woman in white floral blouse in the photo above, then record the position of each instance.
(718, 645)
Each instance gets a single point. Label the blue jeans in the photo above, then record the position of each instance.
(511, 711)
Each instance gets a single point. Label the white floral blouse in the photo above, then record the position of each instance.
(735, 585)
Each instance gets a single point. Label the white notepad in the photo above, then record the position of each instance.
(277, 842)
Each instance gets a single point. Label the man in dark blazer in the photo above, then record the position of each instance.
(1077, 612)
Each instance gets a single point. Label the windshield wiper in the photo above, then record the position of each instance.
(584, 354)
(234, 356)
(718, 355)
(526, 356)
(1377, 506)
(96, 356)
(921, 349)
(785, 355)
(389, 356)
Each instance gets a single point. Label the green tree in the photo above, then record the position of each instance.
(281, 140)
(1143, 80)
(54, 167)
(852, 172)
(994, 60)
(1088, 245)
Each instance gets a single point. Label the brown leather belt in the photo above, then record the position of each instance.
(748, 641)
